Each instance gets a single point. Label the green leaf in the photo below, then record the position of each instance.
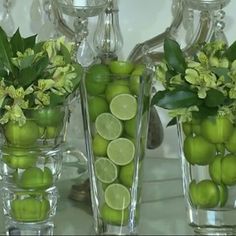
(29, 42)
(41, 65)
(231, 52)
(66, 54)
(174, 56)
(38, 47)
(220, 71)
(17, 43)
(5, 50)
(214, 98)
(175, 99)
(26, 77)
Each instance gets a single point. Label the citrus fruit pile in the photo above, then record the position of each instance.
(211, 143)
(113, 91)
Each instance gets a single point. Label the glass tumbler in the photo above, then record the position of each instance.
(208, 147)
(115, 105)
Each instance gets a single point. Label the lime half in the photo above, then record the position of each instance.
(105, 170)
(124, 106)
(117, 196)
(108, 126)
(121, 151)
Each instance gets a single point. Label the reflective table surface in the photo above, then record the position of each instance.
(162, 209)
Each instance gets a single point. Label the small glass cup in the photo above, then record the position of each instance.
(115, 105)
(207, 147)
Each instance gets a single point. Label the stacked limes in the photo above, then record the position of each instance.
(113, 108)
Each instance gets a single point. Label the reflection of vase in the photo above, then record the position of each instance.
(115, 122)
(209, 174)
(31, 161)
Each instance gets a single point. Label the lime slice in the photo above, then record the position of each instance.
(121, 151)
(108, 126)
(124, 106)
(117, 196)
(105, 170)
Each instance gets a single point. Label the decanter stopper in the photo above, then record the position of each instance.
(107, 37)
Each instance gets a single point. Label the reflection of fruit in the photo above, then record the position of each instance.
(34, 177)
(216, 129)
(193, 192)
(30, 209)
(115, 217)
(18, 158)
(223, 194)
(231, 143)
(215, 169)
(228, 169)
(198, 150)
(25, 135)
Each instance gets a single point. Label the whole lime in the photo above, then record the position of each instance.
(97, 77)
(114, 89)
(99, 145)
(49, 116)
(22, 135)
(114, 217)
(96, 106)
(130, 127)
(126, 174)
(208, 195)
(121, 67)
(198, 150)
(216, 129)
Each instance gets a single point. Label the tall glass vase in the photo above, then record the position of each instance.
(115, 105)
(30, 165)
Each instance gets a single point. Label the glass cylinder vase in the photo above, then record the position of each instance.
(115, 103)
(207, 147)
(30, 165)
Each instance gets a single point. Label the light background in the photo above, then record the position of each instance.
(139, 21)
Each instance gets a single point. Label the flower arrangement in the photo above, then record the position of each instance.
(201, 85)
(34, 74)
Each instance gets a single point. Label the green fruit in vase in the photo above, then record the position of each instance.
(231, 143)
(216, 129)
(198, 150)
(215, 169)
(21, 135)
(228, 168)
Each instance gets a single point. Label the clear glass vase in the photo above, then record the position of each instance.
(30, 165)
(115, 106)
(207, 148)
